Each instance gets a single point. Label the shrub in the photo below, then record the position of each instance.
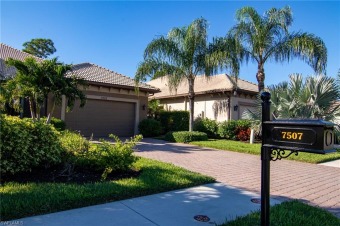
(25, 145)
(207, 126)
(76, 150)
(235, 129)
(150, 127)
(58, 123)
(243, 134)
(174, 120)
(185, 136)
(242, 130)
(113, 157)
(227, 129)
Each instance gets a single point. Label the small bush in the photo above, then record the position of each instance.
(185, 136)
(227, 129)
(235, 129)
(58, 124)
(25, 145)
(174, 120)
(76, 149)
(113, 157)
(150, 127)
(242, 130)
(243, 134)
(207, 126)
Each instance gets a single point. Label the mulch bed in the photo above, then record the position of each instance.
(54, 174)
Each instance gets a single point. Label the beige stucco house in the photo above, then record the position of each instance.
(216, 97)
(112, 104)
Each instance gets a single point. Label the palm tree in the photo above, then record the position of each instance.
(62, 82)
(313, 98)
(267, 38)
(35, 81)
(26, 84)
(183, 54)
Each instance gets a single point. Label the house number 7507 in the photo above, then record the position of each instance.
(291, 135)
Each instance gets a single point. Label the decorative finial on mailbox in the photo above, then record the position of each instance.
(265, 96)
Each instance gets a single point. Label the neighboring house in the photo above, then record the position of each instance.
(216, 97)
(112, 104)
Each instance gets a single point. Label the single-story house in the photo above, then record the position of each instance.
(112, 104)
(217, 97)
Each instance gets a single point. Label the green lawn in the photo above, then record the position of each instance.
(255, 149)
(22, 200)
(290, 214)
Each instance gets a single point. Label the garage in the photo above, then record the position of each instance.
(103, 117)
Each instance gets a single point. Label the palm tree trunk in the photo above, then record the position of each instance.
(260, 76)
(30, 101)
(191, 103)
(50, 114)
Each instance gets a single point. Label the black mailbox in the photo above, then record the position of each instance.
(312, 135)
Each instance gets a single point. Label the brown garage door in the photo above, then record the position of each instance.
(103, 117)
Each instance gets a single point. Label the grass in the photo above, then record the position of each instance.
(290, 214)
(255, 149)
(22, 200)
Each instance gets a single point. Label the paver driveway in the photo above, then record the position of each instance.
(313, 184)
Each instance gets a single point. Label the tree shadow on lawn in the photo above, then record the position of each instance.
(149, 144)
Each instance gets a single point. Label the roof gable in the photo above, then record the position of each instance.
(203, 84)
(94, 73)
(87, 71)
(7, 52)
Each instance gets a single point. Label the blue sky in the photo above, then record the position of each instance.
(114, 34)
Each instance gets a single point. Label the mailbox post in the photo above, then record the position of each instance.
(281, 138)
(265, 162)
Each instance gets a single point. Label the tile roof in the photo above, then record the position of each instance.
(94, 73)
(203, 84)
(87, 71)
(7, 52)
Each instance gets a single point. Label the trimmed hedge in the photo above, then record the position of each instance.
(174, 120)
(185, 136)
(25, 145)
(208, 126)
(150, 127)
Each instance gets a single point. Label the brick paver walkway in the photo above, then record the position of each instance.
(313, 184)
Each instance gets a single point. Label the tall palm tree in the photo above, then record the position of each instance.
(183, 54)
(267, 37)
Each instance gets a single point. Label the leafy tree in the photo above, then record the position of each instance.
(35, 81)
(267, 37)
(183, 54)
(40, 47)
